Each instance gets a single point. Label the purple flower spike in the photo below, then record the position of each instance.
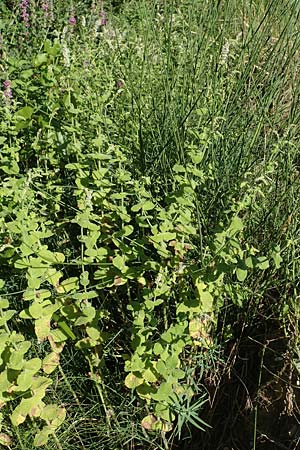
(7, 89)
(103, 18)
(45, 6)
(72, 21)
(8, 93)
(24, 5)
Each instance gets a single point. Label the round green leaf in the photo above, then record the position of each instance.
(132, 381)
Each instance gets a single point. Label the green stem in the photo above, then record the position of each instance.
(69, 385)
(256, 407)
(16, 430)
(57, 441)
(102, 398)
(166, 445)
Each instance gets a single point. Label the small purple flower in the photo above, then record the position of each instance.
(7, 89)
(24, 5)
(120, 84)
(45, 6)
(103, 18)
(72, 21)
(8, 93)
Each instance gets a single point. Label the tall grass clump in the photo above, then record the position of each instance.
(149, 194)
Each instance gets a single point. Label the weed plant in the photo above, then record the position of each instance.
(149, 225)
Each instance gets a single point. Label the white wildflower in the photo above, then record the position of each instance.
(225, 52)
(66, 55)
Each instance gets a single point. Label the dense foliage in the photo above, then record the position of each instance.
(149, 200)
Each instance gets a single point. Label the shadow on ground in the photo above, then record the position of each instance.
(255, 404)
